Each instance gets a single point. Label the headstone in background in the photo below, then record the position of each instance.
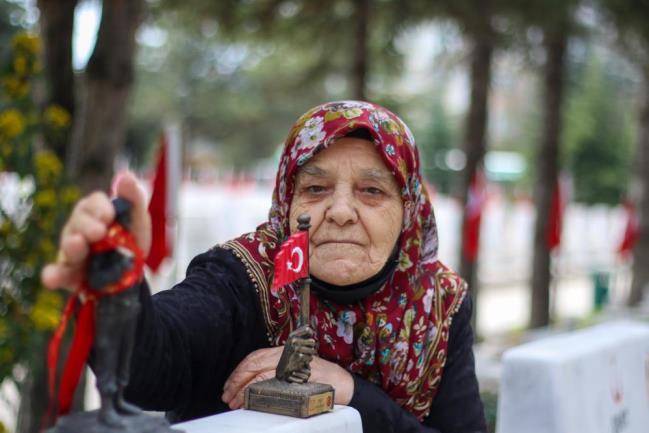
(590, 381)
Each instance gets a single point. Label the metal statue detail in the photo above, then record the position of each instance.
(116, 319)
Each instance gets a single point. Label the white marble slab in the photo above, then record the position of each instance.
(590, 381)
(343, 419)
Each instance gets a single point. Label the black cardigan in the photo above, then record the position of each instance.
(190, 338)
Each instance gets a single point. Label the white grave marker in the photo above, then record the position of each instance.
(343, 419)
(590, 381)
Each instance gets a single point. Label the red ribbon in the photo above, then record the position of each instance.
(84, 335)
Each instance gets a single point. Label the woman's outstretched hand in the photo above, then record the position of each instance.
(88, 223)
(261, 364)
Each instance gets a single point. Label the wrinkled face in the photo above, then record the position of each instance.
(355, 208)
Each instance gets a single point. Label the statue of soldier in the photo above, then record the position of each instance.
(116, 321)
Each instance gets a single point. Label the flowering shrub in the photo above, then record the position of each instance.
(34, 200)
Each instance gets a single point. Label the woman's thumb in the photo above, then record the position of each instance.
(127, 186)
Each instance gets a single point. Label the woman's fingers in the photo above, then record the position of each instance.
(55, 276)
(97, 205)
(87, 224)
(323, 371)
(260, 362)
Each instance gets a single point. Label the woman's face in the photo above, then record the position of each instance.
(355, 208)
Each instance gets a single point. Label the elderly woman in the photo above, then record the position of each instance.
(391, 321)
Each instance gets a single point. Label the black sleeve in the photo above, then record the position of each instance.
(380, 414)
(191, 337)
(457, 407)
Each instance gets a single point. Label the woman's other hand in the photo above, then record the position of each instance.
(88, 223)
(261, 364)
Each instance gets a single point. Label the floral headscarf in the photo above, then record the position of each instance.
(397, 337)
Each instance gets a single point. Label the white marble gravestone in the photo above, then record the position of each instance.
(342, 419)
(590, 381)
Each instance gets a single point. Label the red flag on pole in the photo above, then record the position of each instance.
(631, 231)
(158, 211)
(292, 260)
(555, 222)
(476, 200)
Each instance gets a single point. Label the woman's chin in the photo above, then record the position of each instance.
(341, 272)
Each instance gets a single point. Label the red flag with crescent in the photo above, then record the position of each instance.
(292, 260)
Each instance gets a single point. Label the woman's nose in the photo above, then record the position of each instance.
(342, 209)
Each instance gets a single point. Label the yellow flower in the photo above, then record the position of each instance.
(57, 117)
(5, 228)
(70, 194)
(48, 167)
(37, 66)
(31, 259)
(28, 42)
(45, 198)
(20, 64)
(5, 149)
(46, 311)
(47, 248)
(15, 87)
(6, 356)
(46, 224)
(12, 123)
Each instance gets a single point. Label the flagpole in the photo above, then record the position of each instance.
(286, 394)
(304, 224)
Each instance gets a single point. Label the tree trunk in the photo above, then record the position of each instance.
(361, 22)
(548, 172)
(57, 23)
(640, 280)
(475, 141)
(100, 125)
(34, 394)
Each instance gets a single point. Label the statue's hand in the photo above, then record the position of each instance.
(298, 352)
(261, 364)
(300, 376)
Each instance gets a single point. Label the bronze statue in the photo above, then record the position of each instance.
(290, 393)
(115, 327)
(116, 318)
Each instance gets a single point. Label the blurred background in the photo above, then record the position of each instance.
(531, 117)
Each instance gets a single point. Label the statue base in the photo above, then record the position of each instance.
(87, 422)
(300, 400)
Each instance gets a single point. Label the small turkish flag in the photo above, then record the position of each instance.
(292, 261)
(158, 210)
(555, 222)
(476, 200)
(631, 231)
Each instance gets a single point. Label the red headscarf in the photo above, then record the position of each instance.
(397, 337)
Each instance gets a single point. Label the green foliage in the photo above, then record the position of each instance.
(598, 137)
(34, 201)
(236, 77)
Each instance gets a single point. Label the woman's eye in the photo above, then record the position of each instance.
(314, 189)
(373, 190)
